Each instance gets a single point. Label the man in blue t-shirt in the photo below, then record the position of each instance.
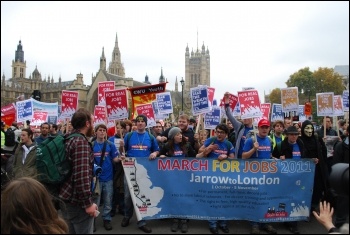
(105, 179)
(218, 148)
(260, 148)
(139, 144)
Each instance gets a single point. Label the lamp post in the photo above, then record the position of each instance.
(182, 93)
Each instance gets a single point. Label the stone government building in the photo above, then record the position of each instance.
(197, 72)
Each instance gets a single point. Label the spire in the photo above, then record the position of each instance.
(116, 40)
(176, 85)
(146, 79)
(161, 78)
(103, 60)
(187, 51)
(19, 56)
(115, 65)
(103, 53)
(197, 39)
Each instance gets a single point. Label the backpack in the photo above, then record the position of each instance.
(10, 137)
(51, 162)
(232, 136)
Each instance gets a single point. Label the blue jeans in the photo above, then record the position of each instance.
(215, 223)
(106, 189)
(79, 222)
(128, 204)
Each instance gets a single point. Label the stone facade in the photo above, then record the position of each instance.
(197, 72)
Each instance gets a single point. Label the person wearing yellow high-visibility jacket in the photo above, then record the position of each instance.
(277, 135)
(2, 134)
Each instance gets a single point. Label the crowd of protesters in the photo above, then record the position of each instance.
(186, 138)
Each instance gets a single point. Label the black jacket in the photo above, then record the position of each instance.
(341, 153)
(287, 150)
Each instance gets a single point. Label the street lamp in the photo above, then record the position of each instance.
(182, 93)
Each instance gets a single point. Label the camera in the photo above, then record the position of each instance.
(339, 178)
(97, 170)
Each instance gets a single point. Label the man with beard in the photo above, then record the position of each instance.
(45, 133)
(187, 133)
(316, 148)
(79, 210)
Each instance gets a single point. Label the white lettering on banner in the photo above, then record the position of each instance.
(138, 92)
(65, 94)
(116, 99)
(227, 180)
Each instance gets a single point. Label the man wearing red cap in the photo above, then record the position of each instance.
(259, 147)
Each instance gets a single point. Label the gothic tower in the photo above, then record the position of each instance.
(103, 60)
(115, 66)
(161, 78)
(197, 69)
(19, 64)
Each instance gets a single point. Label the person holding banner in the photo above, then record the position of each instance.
(139, 143)
(177, 146)
(316, 148)
(241, 129)
(290, 148)
(259, 147)
(187, 133)
(218, 148)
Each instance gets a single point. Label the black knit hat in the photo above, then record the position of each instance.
(141, 117)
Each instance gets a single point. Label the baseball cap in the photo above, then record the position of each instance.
(263, 122)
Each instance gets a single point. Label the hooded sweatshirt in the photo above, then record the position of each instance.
(310, 143)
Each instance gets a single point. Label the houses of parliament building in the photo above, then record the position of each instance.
(197, 72)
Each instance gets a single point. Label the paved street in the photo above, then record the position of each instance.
(201, 227)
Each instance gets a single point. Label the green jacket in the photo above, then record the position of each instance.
(28, 168)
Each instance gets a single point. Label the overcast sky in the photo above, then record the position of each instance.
(251, 44)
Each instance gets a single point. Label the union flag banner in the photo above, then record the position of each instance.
(144, 95)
